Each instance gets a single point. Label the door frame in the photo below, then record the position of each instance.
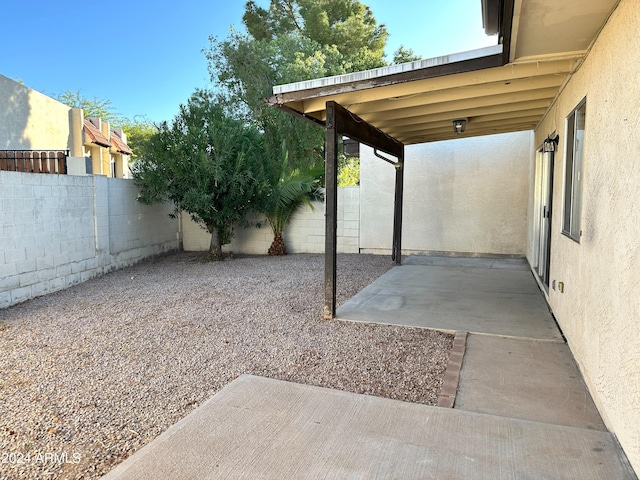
(543, 208)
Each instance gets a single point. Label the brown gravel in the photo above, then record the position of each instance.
(91, 374)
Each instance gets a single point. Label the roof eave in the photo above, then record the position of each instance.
(480, 59)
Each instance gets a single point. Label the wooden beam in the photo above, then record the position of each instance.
(292, 111)
(473, 92)
(357, 129)
(480, 63)
(440, 121)
(331, 212)
(473, 125)
(462, 110)
(397, 92)
(436, 137)
(374, 117)
(506, 29)
(396, 254)
(340, 121)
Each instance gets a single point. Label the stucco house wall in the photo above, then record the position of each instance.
(463, 196)
(30, 120)
(599, 311)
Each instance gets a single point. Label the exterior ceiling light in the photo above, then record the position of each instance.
(459, 125)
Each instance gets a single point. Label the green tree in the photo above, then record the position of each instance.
(288, 190)
(404, 55)
(293, 40)
(348, 171)
(95, 107)
(207, 164)
(139, 132)
(347, 26)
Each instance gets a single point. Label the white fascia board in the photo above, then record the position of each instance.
(386, 71)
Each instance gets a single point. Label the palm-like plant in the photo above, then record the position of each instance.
(290, 188)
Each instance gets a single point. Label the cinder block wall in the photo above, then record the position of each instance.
(135, 228)
(304, 234)
(59, 230)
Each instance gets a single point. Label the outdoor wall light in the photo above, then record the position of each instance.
(551, 143)
(459, 125)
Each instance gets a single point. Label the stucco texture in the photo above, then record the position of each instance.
(599, 310)
(30, 120)
(465, 196)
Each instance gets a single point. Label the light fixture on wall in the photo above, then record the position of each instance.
(551, 143)
(459, 125)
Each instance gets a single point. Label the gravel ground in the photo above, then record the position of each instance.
(91, 374)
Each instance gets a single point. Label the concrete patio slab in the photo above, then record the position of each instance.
(530, 380)
(478, 295)
(270, 429)
(507, 263)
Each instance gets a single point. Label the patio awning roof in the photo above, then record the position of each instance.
(95, 135)
(119, 145)
(505, 88)
(498, 89)
(416, 110)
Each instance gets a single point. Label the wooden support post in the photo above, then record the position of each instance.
(397, 211)
(331, 213)
(342, 122)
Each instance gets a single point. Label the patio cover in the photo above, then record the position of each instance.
(119, 144)
(95, 135)
(505, 88)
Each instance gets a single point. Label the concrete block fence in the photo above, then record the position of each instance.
(60, 230)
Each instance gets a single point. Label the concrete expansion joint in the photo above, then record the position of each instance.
(447, 397)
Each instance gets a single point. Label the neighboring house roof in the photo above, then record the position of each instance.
(498, 89)
(95, 135)
(119, 144)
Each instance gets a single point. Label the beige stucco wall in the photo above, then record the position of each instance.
(599, 310)
(461, 196)
(30, 120)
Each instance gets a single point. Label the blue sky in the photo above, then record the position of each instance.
(145, 57)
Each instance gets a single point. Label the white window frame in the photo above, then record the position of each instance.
(573, 172)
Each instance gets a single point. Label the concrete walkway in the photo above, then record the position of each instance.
(259, 428)
(521, 409)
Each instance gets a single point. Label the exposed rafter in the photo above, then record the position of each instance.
(495, 100)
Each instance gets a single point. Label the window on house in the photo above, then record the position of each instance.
(572, 204)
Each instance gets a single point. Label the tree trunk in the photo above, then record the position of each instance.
(215, 248)
(277, 246)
